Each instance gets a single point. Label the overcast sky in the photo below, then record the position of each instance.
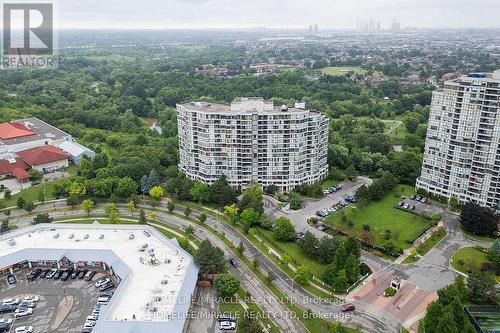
(274, 13)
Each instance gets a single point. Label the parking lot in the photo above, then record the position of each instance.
(63, 306)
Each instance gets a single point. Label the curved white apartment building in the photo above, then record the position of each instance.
(252, 140)
(462, 149)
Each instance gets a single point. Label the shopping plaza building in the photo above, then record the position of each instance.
(252, 140)
(462, 149)
(156, 278)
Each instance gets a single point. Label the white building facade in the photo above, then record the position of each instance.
(462, 150)
(252, 140)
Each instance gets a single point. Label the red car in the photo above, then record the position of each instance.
(347, 307)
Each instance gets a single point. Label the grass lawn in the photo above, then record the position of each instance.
(31, 193)
(380, 215)
(398, 135)
(432, 241)
(341, 71)
(327, 184)
(294, 251)
(411, 259)
(231, 307)
(468, 259)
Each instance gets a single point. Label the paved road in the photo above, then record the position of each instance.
(259, 292)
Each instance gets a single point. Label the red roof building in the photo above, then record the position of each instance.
(42, 155)
(14, 130)
(17, 168)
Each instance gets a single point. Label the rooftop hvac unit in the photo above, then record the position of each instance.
(132, 236)
(12, 242)
(284, 108)
(71, 236)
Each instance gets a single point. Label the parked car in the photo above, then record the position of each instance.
(24, 329)
(92, 318)
(58, 274)
(424, 200)
(89, 275)
(412, 197)
(89, 324)
(225, 317)
(103, 300)
(7, 308)
(22, 312)
(33, 274)
(44, 273)
(107, 294)
(87, 330)
(4, 327)
(106, 286)
(7, 321)
(11, 279)
(347, 307)
(51, 274)
(82, 274)
(11, 301)
(27, 304)
(74, 275)
(66, 275)
(31, 298)
(102, 282)
(401, 204)
(227, 325)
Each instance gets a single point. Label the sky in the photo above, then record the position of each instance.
(332, 14)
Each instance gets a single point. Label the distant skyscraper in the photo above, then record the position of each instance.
(462, 155)
(316, 29)
(395, 25)
(311, 29)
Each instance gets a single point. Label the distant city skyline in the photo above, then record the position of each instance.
(293, 14)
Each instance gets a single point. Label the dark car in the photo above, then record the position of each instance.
(58, 275)
(66, 275)
(11, 279)
(107, 294)
(4, 327)
(233, 262)
(81, 275)
(347, 307)
(7, 308)
(87, 330)
(225, 317)
(74, 275)
(44, 273)
(106, 286)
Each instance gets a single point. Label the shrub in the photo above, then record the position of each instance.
(389, 292)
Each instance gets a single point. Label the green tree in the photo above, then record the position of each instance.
(302, 275)
(4, 227)
(284, 230)
(187, 211)
(42, 218)
(29, 206)
(156, 193)
(112, 212)
(226, 284)
(202, 218)
(142, 217)
(87, 206)
(341, 282)
(240, 248)
(20, 202)
(200, 192)
(221, 193)
(252, 198)
(131, 207)
(189, 231)
(170, 207)
(482, 286)
(126, 187)
(209, 258)
(249, 218)
(7, 193)
(478, 220)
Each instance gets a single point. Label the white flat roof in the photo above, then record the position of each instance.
(146, 285)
